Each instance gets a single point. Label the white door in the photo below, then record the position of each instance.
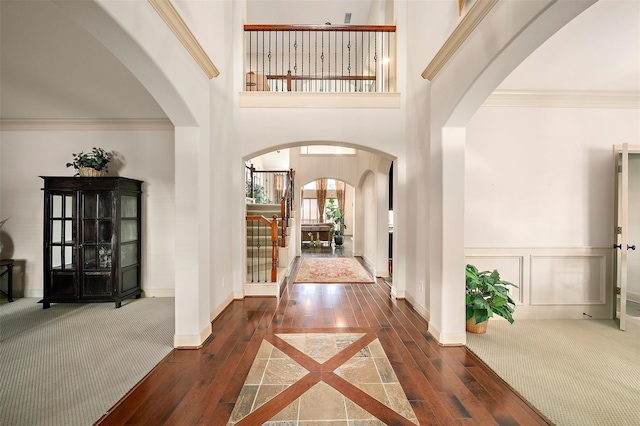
(627, 229)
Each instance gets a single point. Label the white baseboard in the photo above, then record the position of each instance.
(421, 310)
(382, 274)
(159, 292)
(33, 292)
(262, 289)
(634, 297)
(448, 339)
(398, 294)
(221, 307)
(191, 341)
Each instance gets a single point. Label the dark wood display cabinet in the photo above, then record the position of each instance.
(92, 231)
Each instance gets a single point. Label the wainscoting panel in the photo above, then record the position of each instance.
(567, 282)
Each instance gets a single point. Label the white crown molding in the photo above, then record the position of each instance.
(81, 124)
(176, 24)
(563, 99)
(463, 30)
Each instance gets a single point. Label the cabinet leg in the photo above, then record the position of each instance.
(46, 305)
(138, 296)
(118, 304)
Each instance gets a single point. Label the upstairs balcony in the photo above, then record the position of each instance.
(315, 59)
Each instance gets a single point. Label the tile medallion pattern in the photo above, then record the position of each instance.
(319, 378)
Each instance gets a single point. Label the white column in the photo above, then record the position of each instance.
(192, 281)
(447, 276)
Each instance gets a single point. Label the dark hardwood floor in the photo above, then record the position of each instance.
(444, 385)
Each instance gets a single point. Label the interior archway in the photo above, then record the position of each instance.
(352, 166)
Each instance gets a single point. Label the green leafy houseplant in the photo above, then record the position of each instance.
(259, 196)
(97, 160)
(487, 294)
(333, 214)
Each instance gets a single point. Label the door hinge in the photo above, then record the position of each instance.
(618, 291)
(619, 230)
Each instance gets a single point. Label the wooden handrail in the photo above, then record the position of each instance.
(269, 171)
(332, 28)
(261, 219)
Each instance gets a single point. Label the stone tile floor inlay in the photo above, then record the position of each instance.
(328, 368)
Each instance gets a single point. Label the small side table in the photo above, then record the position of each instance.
(8, 264)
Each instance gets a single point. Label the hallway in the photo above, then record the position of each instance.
(382, 367)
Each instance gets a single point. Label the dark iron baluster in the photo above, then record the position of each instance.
(355, 85)
(362, 59)
(269, 56)
(349, 64)
(389, 61)
(309, 67)
(289, 67)
(375, 56)
(329, 63)
(245, 81)
(263, 56)
(253, 257)
(382, 54)
(369, 59)
(342, 81)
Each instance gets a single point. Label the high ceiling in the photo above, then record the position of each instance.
(52, 68)
(307, 12)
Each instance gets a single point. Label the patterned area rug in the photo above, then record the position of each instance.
(332, 270)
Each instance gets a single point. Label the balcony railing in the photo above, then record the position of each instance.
(320, 58)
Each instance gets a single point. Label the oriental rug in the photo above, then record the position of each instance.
(320, 270)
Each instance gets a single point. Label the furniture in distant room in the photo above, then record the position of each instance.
(92, 234)
(322, 232)
(8, 272)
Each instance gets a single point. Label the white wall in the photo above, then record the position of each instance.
(539, 203)
(369, 204)
(148, 156)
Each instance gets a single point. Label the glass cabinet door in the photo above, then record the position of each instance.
(130, 241)
(62, 243)
(97, 242)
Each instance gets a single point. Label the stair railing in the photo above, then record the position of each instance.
(261, 224)
(273, 187)
(320, 58)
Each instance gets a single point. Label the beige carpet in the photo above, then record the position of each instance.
(575, 372)
(69, 364)
(331, 270)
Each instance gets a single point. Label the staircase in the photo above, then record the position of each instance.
(259, 252)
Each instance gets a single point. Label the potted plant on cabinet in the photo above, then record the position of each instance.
(91, 164)
(486, 294)
(332, 213)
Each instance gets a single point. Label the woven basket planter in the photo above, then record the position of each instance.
(481, 328)
(89, 172)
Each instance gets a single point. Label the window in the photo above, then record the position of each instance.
(326, 150)
(309, 210)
